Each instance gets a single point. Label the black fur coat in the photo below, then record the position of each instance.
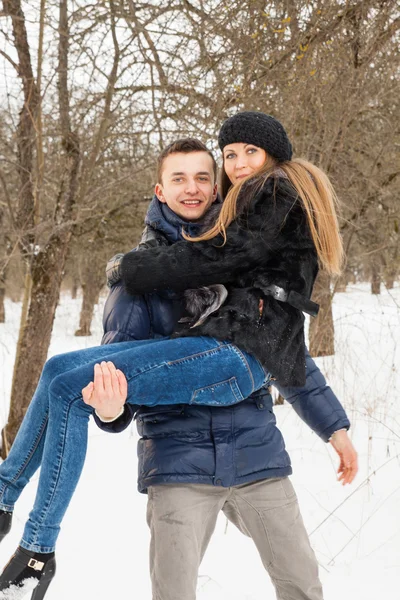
(269, 242)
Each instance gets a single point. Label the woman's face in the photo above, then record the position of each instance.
(241, 160)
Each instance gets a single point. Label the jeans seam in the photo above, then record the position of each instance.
(171, 363)
(28, 458)
(36, 547)
(232, 384)
(55, 480)
(191, 356)
(246, 364)
(233, 444)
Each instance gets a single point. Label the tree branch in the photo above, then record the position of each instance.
(10, 60)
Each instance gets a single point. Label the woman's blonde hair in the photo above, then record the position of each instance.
(318, 198)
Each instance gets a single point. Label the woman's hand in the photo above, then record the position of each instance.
(108, 392)
(348, 466)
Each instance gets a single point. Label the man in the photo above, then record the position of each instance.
(195, 460)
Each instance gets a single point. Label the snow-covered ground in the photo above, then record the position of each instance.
(355, 531)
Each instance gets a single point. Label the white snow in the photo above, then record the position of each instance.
(355, 531)
(18, 592)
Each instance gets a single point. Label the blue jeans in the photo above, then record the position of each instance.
(54, 432)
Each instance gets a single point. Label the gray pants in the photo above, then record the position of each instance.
(182, 518)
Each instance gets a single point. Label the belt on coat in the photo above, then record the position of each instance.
(293, 298)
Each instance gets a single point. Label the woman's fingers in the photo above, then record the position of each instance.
(98, 379)
(107, 384)
(114, 379)
(109, 390)
(123, 385)
(87, 392)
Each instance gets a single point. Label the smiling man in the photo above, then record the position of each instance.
(187, 183)
(195, 461)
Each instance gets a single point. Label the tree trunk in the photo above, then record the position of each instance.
(91, 290)
(74, 289)
(342, 282)
(375, 279)
(4, 251)
(322, 334)
(390, 277)
(25, 139)
(47, 270)
(35, 338)
(46, 274)
(389, 282)
(2, 307)
(47, 265)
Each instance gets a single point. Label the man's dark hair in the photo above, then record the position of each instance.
(185, 145)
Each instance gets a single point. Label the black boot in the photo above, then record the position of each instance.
(5, 523)
(27, 572)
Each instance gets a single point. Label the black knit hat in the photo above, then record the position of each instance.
(260, 129)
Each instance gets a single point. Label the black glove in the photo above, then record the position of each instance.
(113, 269)
(202, 302)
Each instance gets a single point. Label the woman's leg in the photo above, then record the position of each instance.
(184, 370)
(26, 452)
(197, 370)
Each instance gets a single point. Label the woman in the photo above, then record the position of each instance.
(278, 218)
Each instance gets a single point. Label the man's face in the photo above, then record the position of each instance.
(188, 185)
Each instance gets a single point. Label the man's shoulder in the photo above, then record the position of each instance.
(152, 237)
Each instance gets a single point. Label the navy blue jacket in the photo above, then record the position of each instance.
(199, 444)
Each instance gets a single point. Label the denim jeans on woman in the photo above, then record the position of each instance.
(53, 434)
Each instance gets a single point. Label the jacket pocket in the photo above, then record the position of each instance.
(288, 488)
(158, 414)
(222, 393)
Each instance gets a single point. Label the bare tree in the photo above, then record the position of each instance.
(46, 264)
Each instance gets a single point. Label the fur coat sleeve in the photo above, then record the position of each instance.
(272, 222)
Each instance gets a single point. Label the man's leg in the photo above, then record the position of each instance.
(182, 519)
(268, 511)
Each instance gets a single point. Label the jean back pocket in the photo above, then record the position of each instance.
(222, 393)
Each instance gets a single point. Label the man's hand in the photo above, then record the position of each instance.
(113, 269)
(108, 392)
(348, 456)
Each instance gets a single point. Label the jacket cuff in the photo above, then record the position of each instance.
(327, 433)
(119, 424)
(112, 419)
(341, 429)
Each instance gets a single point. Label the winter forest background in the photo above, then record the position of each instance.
(91, 91)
